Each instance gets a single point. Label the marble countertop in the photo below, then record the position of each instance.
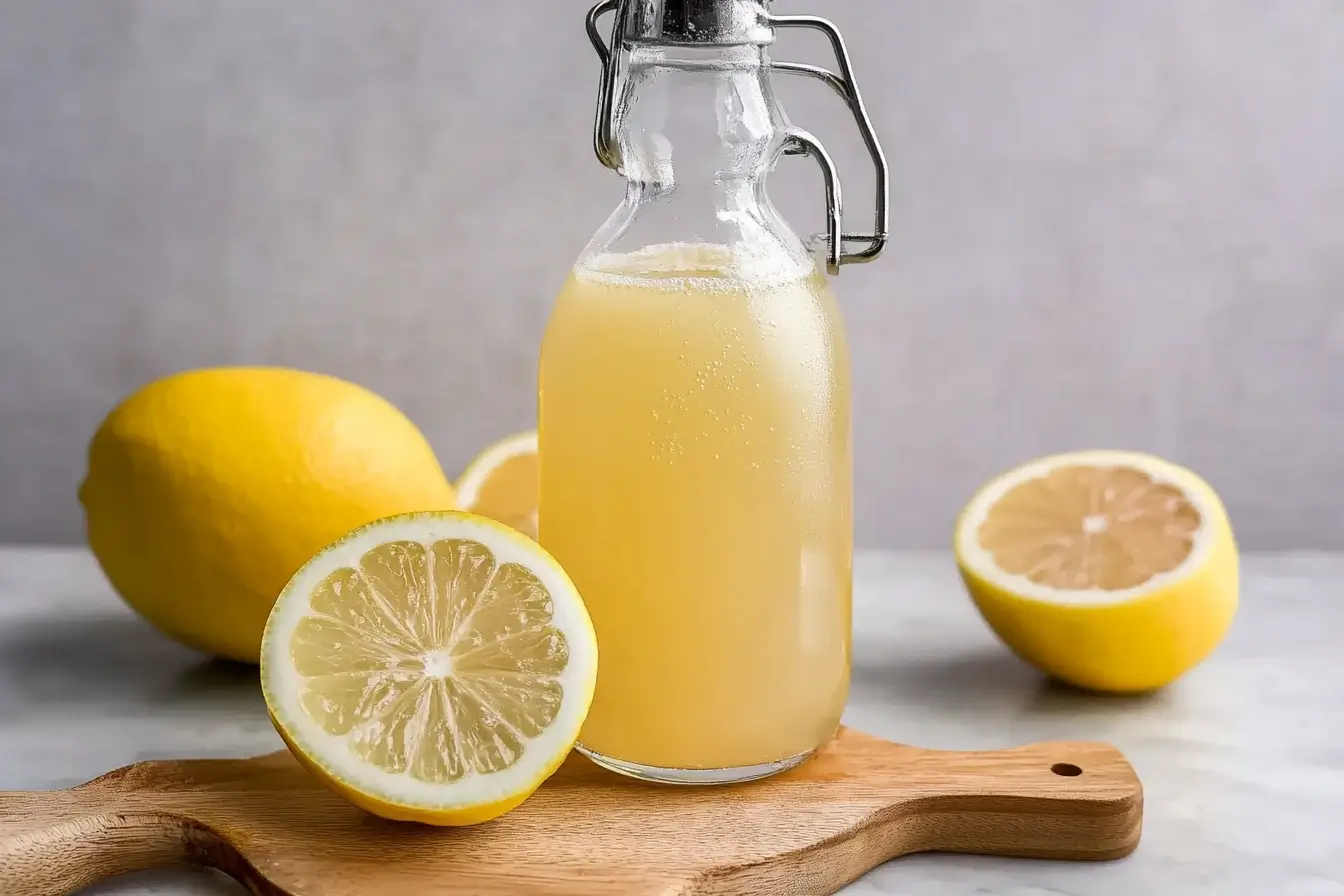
(1242, 760)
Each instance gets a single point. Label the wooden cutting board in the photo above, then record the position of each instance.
(587, 832)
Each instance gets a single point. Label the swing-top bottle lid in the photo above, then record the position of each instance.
(729, 23)
(692, 22)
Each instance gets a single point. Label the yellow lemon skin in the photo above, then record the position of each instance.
(207, 489)
(400, 812)
(1131, 646)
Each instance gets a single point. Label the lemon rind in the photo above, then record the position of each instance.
(280, 682)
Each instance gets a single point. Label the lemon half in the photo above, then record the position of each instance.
(431, 667)
(501, 483)
(1111, 570)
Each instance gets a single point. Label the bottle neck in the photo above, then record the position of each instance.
(697, 119)
(698, 129)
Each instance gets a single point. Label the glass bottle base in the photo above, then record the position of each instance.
(694, 776)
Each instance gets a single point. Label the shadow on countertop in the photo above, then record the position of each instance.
(110, 662)
(987, 678)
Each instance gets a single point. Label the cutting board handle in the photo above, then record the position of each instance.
(1075, 800)
(58, 842)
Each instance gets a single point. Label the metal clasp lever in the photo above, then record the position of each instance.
(804, 143)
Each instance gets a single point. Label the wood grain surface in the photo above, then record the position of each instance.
(587, 832)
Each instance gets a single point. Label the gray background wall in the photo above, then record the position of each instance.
(1115, 224)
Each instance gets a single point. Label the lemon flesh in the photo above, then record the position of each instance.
(501, 483)
(1113, 571)
(430, 667)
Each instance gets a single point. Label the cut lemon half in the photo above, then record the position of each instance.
(1111, 570)
(431, 667)
(501, 483)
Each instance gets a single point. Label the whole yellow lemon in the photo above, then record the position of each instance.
(207, 489)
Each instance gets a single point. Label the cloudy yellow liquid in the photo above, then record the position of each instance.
(695, 467)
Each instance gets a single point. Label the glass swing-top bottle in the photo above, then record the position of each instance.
(694, 407)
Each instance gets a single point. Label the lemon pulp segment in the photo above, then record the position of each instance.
(436, 661)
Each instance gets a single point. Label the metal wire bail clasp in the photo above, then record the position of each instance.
(737, 22)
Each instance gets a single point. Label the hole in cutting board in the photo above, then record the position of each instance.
(1066, 769)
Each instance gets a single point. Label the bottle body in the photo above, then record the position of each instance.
(696, 475)
(694, 440)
